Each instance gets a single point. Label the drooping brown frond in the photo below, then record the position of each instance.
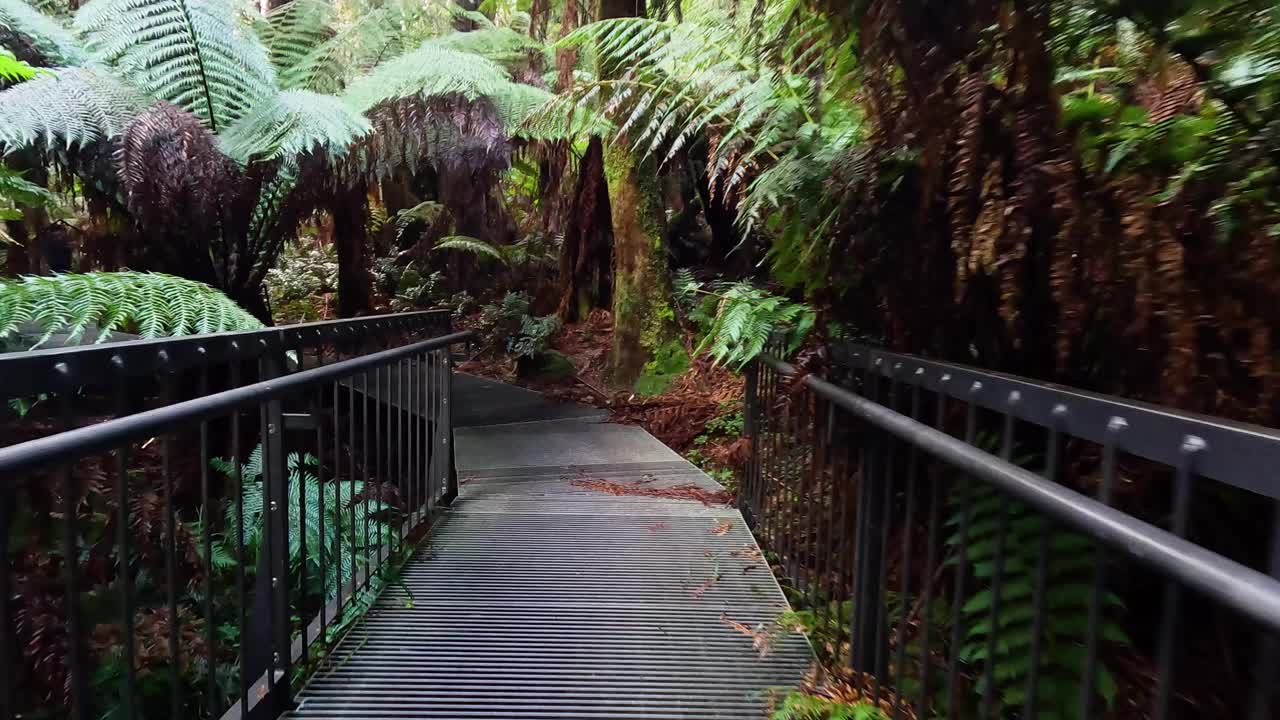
(173, 172)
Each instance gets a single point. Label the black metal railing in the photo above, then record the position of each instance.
(197, 557)
(962, 543)
(59, 388)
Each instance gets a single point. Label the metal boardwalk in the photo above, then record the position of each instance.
(537, 597)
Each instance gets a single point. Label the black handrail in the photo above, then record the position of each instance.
(355, 457)
(1252, 593)
(929, 518)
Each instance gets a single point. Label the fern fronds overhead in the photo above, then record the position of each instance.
(501, 45)
(428, 72)
(196, 54)
(55, 43)
(292, 124)
(149, 304)
(293, 30)
(745, 319)
(70, 107)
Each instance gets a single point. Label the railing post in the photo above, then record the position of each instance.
(275, 477)
(750, 409)
(872, 486)
(445, 446)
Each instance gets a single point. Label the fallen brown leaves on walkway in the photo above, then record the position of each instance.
(678, 492)
(722, 527)
(762, 635)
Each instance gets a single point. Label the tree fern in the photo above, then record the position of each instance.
(149, 304)
(71, 107)
(197, 54)
(428, 72)
(57, 45)
(291, 124)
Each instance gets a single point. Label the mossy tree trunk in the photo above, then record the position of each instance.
(585, 269)
(643, 318)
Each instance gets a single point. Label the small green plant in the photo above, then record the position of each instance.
(305, 272)
(508, 325)
(1068, 595)
(737, 320)
(355, 524)
(799, 705)
(669, 362)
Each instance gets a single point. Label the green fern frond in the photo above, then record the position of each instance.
(503, 46)
(745, 320)
(292, 124)
(71, 107)
(58, 45)
(1069, 594)
(428, 72)
(151, 304)
(197, 54)
(14, 70)
(471, 245)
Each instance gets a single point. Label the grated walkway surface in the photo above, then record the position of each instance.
(538, 598)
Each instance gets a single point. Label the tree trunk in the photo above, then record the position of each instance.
(585, 255)
(643, 319)
(350, 214)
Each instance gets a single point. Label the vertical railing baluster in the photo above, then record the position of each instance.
(924, 704)
(1110, 448)
(908, 531)
(206, 532)
(1053, 460)
(367, 503)
(337, 497)
(350, 510)
(997, 573)
(379, 455)
(1268, 665)
(1169, 618)
(962, 560)
(321, 539)
(8, 648)
(128, 683)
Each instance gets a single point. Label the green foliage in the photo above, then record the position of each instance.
(196, 54)
(305, 273)
(799, 705)
(292, 124)
(1069, 591)
(69, 107)
(14, 70)
(355, 524)
(149, 304)
(534, 336)
(56, 44)
(744, 320)
(748, 84)
(17, 193)
(471, 245)
(669, 362)
(429, 72)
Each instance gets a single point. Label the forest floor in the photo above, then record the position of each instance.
(699, 415)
